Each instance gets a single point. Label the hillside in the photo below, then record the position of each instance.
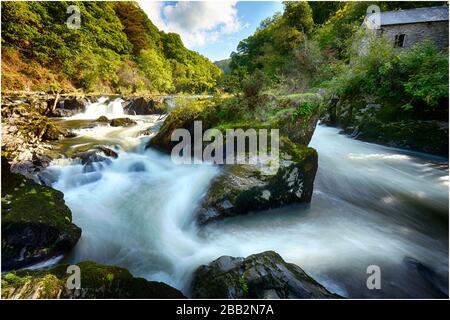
(224, 65)
(117, 49)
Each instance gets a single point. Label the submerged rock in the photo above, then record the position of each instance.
(122, 122)
(107, 151)
(36, 223)
(91, 156)
(260, 276)
(137, 167)
(437, 285)
(97, 282)
(240, 189)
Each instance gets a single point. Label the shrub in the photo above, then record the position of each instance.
(413, 77)
(426, 73)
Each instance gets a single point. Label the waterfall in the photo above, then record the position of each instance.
(103, 107)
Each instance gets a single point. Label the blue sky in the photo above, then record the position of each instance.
(213, 28)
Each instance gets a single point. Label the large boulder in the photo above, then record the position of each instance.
(143, 106)
(122, 122)
(97, 282)
(299, 119)
(36, 223)
(182, 118)
(243, 188)
(67, 107)
(260, 276)
(53, 132)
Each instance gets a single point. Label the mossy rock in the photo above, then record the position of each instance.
(244, 188)
(102, 119)
(259, 276)
(122, 122)
(383, 121)
(97, 282)
(36, 223)
(424, 136)
(182, 117)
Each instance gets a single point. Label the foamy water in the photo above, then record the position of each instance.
(371, 205)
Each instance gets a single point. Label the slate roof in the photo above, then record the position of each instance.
(417, 15)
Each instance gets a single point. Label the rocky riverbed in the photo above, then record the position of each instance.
(190, 226)
(37, 224)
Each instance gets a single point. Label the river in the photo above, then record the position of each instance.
(372, 205)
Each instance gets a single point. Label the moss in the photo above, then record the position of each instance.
(97, 281)
(102, 119)
(122, 122)
(31, 202)
(34, 218)
(26, 287)
(182, 117)
(13, 279)
(50, 286)
(252, 277)
(298, 153)
(244, 286)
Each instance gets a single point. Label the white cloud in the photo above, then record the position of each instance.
(198, 22)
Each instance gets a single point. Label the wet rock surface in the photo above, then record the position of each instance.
(97, 282)
(259, 276)
(36, 223)
(122, 122)
(244, 188)
(144, 106)
(371, 119)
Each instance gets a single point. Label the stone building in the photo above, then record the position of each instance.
(408, 27)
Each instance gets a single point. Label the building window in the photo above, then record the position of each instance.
(400, 40)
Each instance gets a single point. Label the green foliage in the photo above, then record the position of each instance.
(418, 77)
(322, 10)
(96, 56)
(304, 110)
(426, 71)
(139, 30)
(244, 286)
(336, 33)
(298, 14)
(156, 69)
(271, 47)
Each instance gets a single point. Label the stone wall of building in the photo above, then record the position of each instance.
(437, 32)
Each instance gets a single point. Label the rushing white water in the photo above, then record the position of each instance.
(103, 107)
(372, 205)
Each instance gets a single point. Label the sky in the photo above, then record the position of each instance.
(212, 28)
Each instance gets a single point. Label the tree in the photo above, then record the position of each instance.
(298, 14)
(156, 69)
